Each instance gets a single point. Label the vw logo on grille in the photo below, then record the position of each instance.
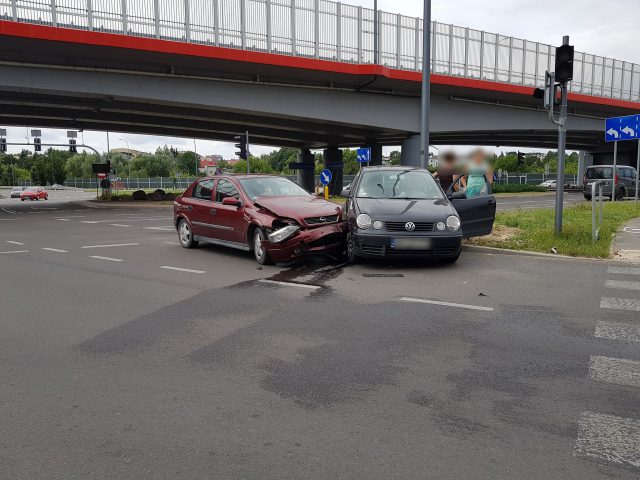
(322, 220)
(410, 226)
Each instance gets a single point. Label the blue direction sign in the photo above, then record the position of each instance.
(364, 155)
(622, 128)
(326, 176)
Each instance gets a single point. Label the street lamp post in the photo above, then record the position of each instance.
(376, 55)
(426, 84)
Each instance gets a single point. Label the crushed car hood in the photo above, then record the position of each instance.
(298, 207)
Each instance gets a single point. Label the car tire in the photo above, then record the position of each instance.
(259, 252)
(620, 194)
(47, 197)
(350, 253)
(185, 235)
(587, 198)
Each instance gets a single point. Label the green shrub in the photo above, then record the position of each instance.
(517, 188)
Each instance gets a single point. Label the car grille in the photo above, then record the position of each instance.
(319, 220)
(400, 226)
(372, 249)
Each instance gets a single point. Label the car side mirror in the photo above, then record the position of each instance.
(346, 193)
(231, 201)
(458, 196)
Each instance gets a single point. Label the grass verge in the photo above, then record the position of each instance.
(533, 230)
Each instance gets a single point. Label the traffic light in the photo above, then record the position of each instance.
(3, 145)
(564, 63)
(521, 157)
(242, 147)
(37, 144)
(72, 145)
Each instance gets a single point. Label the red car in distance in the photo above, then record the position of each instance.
(271, 216)
(34, 193)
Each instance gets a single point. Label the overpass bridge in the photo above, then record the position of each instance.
(292, 72)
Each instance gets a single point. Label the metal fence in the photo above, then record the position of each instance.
(332, 31)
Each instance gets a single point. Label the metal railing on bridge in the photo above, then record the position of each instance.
(332, 31)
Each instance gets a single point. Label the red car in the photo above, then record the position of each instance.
(34, 193)
(272, 216)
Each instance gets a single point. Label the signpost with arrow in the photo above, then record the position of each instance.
(619, 129)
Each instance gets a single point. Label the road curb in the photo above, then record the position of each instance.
(526, 253)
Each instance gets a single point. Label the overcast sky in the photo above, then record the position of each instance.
(603, 27)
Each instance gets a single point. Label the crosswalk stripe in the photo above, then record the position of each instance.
(608, 437)
(620, 304)
(618, 371)
(622, 284)
(618, 331)
(624, 270)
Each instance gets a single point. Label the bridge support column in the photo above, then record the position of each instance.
(333, 161)
(410, 154)
(306, 176)
(585, 160)
(376, 153)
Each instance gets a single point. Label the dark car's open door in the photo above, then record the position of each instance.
(477, 213)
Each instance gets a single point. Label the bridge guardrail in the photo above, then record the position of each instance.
(335, 31)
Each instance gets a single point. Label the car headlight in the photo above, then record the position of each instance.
(363, 221)
(282, 234)
(441, 226)
(453, 223)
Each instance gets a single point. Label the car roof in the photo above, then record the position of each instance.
(240, 176)
(395, 167)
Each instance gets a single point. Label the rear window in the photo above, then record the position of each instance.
(600, 173)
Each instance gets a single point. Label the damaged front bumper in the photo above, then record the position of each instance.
(329, 239)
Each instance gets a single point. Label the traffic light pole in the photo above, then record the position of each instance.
(248, 155)
(562, 145)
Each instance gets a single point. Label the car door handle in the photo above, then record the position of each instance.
(213, 211)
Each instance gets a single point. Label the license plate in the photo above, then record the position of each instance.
(411, 243)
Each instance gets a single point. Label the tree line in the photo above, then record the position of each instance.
(55, 166)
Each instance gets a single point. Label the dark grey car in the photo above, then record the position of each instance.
(403, 212)
(625, 182)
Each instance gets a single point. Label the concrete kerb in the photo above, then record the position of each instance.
(526, 253)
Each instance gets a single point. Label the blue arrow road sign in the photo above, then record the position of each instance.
(364, 155)
(622, 128)
(326, 176)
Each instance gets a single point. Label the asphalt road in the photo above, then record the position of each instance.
(535, 201)
(124, 356)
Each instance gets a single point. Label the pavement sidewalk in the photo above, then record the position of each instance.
(626, 246)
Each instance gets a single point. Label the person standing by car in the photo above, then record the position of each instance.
(479, 173)
(446, 173)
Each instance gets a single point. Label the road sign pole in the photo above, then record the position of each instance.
(426, 84)
(248, 154)
(615, 169)
(638, 172)
(562, 144)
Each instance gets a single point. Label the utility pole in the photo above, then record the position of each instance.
(426, 85)
(376, 45)
(195, 151)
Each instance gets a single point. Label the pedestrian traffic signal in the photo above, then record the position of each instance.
(72, 145)
(242, 147)
(37, 144)
(521, 157)
(3, 145)
(564, 63)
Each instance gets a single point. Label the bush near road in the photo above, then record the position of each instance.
(533, 230)
(517, 188)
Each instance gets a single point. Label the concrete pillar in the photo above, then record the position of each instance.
(306, 175)
(376, 153)
(333, 161)
(410, 154)
(585, 160)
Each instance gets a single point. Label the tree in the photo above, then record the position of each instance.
(187, 162)
(394, 157)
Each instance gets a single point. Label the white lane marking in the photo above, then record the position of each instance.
(8, 219)
(187, 270)
(152, 219)
(622, 284)
(63, 219)
(113, 245)
(607, 437)
(70, 216)
(44, 208)
(118, 225)
(36, 212)
(290, 284)
(624, 270)
(108, 259)
(10, 212)
(14, 251)
(14, 243)
(620, 304)
(446, 304)
(56, 250)
(129, 214)
(618, 331)
(618, 371)
(163, 229)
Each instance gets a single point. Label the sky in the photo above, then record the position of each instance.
(602, 27)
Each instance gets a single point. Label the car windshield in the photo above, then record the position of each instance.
(398, 184)
(601, 173)
(32, 189)
(271, 187)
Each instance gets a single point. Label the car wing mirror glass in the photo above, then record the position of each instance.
(231, 201)
(346, 193)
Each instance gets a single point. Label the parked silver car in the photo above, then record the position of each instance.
(625, 180)
(16, 191)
